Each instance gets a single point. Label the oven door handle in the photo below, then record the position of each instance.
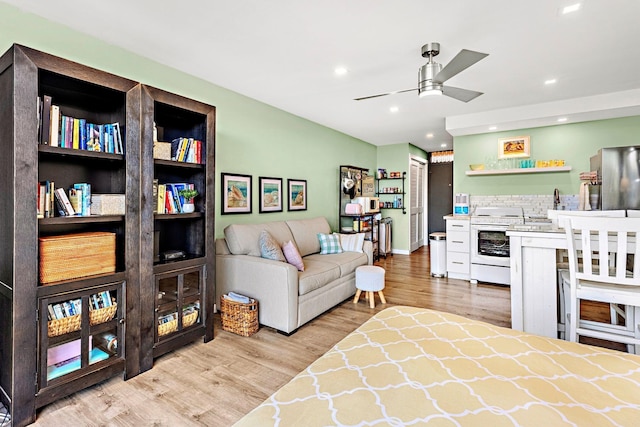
(492, 227)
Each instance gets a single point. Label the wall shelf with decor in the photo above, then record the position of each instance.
(398, 193)
(519, 171)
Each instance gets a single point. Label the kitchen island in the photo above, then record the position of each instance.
(534, 295)
(534, 289)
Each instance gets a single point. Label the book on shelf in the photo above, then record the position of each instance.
(61, 197)
(46, 120)
(54, 128)
(67, 366)
(168, 197)
(187, 150)
(41, 200)
(60, 130)
(154, 195)
(161, 198)
(83, 195)
(73, 307)
(46, 206)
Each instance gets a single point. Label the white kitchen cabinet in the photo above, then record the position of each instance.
(458, 237)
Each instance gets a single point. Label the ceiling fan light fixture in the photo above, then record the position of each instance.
(426, 85)
(429, 91)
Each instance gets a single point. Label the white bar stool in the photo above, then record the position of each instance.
(370, 278)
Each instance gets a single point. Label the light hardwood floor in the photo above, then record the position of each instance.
(215, 384)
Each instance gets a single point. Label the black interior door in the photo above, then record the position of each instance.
(440, 194)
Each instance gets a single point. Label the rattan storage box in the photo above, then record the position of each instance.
(108, 204)
(71, 256)
(162, 150)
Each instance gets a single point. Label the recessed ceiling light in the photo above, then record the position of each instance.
(429, 135)
(571, 8)
(493, 128)
(394, 109)
(443, 145)
(562, 119)
(550, 81)
(340, 71)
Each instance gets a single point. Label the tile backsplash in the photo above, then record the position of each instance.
(534, 205)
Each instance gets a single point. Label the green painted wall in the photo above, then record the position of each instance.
(252, 138)
(575, 143)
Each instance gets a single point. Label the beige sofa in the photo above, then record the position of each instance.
(287, 298)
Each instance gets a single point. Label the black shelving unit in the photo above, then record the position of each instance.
(386, 202)
(364, 223)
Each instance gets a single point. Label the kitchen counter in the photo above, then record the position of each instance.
(461, 217)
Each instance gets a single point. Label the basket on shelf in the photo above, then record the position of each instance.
(65, 325)
(172, 326)
(167, 328)
(239, 318)
(93, 253)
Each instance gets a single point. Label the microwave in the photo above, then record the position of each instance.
(369, 204)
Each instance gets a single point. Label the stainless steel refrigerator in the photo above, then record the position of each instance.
(618, 177)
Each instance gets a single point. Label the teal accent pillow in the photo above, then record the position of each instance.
(329, 244)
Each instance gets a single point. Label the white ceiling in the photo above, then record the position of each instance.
(283, 53)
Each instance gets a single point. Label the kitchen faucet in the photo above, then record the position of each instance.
(556, 199)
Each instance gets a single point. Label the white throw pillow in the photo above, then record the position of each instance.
(352, 242)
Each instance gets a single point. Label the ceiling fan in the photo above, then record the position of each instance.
(431, 76)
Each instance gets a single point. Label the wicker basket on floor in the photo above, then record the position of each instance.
(72, 323)
(239, 318)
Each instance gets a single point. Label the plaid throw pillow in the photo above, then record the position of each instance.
(329, 244)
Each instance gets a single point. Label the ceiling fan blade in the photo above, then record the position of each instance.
(463, 60)
(383, 94)
(464, 95)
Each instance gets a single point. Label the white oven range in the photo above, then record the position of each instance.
(489, 242)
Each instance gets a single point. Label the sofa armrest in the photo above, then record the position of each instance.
(273, 284)
(367, 248)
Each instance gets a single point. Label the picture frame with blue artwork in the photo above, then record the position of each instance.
(297, 194)
(270, 194)
(236, 193)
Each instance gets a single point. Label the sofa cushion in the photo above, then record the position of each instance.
(329, 244)
(305, 233)
(347, 262)
(317, 274)
(269, 248)
(243, 239)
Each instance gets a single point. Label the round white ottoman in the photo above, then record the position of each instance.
(370, 278)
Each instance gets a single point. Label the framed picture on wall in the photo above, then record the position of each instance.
(270, 194)
(236, 194)
(516, 146)
(297, 194)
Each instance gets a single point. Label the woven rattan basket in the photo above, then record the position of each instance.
(71, 256)
(72, 323)
(172, 326)
(239, 318)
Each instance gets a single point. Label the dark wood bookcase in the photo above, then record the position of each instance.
(189, 281)
(28, 348)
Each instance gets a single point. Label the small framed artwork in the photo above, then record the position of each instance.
(236, 193)
(270, 194)
(297, 194)
(516, 146)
